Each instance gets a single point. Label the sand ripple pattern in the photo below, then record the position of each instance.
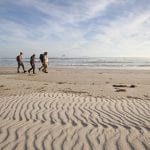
(71, 121)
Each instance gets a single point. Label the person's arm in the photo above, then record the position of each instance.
(33, 61)
(44, 59)
(20, 58)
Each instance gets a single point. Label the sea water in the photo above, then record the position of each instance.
(92, 62)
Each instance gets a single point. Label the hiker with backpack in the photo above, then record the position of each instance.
(19, 60)
(44, 61)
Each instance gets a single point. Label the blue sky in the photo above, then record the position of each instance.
(75, 28)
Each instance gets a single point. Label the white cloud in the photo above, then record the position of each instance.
(76, 11)
(61, 32)
(125, 36)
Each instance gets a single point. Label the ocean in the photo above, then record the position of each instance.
(92, 63)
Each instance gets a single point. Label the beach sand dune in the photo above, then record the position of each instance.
(70, 120)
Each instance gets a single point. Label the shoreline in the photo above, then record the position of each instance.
(84, 68)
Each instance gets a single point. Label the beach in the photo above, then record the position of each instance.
(98, 109)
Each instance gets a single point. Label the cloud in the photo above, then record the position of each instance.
(76, 28)
(70, 11)
(126, 35)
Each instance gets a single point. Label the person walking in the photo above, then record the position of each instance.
(42, 61)
(45, 62)
(19, 60)
(32, 63)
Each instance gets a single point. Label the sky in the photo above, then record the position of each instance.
(75, 28)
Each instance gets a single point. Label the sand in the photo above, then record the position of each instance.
(75, 109)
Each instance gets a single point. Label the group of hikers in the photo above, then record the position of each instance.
(43, 58)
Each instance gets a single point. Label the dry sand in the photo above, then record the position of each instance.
(75, 109)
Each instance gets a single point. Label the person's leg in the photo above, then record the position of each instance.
(33, 67)
(18, 67)
(30, 69)
(46, 67)
(23, 67)
(41, 66)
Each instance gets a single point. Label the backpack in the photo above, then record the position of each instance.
(18, 58)
(41, 57)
